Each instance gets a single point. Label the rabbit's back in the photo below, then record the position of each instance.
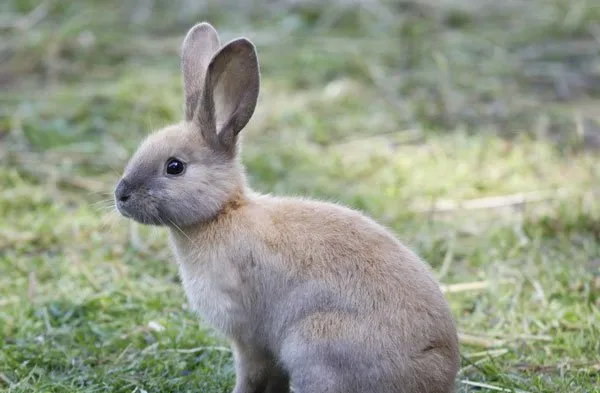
(344, 249)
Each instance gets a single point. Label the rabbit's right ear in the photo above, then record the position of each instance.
(199, 45)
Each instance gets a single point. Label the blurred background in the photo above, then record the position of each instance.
(470, 128)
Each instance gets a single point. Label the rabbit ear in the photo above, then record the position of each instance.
(199, 46)
(230, 93)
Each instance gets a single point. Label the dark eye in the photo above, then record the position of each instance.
(175, 166)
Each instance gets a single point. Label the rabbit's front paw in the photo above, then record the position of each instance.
(271, 380)
(257, 372)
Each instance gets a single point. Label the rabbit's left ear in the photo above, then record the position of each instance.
(229, 94)
(199, 46)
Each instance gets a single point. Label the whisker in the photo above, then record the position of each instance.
(180, 230)
(109, 221)
(103, 202)
(104, 205)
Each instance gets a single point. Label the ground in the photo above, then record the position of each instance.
(470, 129)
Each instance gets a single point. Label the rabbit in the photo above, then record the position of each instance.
(313, 296)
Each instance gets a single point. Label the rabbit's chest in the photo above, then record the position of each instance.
(213, 291)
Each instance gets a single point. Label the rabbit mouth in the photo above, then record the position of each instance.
(144, 219)
(125, 213)
(136, 213)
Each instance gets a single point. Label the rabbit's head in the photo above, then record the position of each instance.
(185, 174)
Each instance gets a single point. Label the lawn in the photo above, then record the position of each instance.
(472, 129)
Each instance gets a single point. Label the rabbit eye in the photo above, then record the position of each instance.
(175, 166)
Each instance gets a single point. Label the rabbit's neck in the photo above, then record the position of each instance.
(216, 226)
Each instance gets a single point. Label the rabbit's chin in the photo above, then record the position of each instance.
(141, 217)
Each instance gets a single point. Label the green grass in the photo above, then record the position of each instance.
(393, 108)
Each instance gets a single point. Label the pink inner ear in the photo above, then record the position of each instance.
(223, 107)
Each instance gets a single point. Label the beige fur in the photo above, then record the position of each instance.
(309, 292)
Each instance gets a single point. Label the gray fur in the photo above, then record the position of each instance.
(311, 294)
(199, 46)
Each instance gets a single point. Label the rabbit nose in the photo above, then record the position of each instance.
(123, 191)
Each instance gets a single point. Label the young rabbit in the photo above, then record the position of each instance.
(312, 295)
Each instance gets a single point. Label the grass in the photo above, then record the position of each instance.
(404, 110)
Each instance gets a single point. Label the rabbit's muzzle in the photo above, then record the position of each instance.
(136, 203)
